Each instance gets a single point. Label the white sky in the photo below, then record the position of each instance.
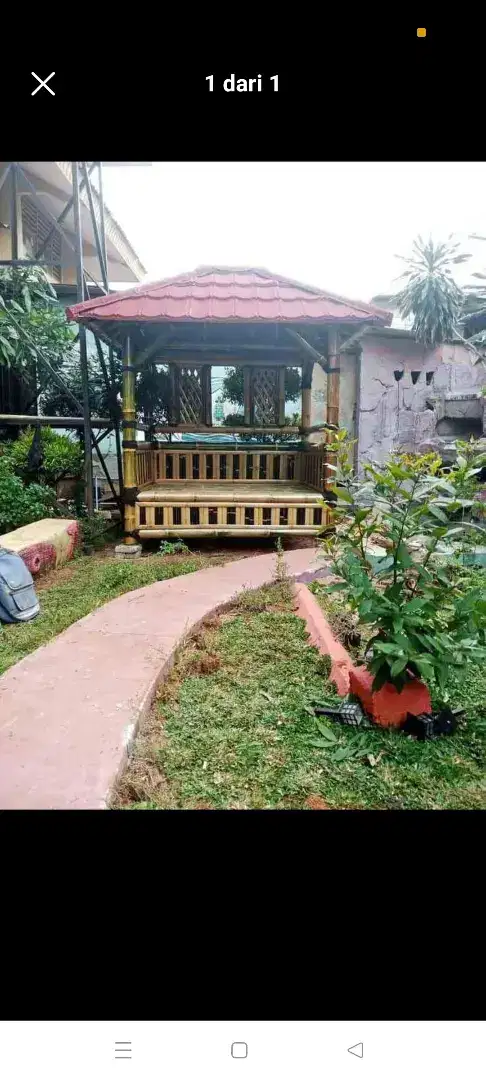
(330, 224)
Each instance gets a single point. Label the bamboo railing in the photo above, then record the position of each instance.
(184, 463)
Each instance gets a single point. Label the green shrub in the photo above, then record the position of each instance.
(424, 619)
(176, 548)
(22, 503)
(61, 455)
(92, 527)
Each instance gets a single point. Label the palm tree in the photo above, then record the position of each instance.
(431, 295)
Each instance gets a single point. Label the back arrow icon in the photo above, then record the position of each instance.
(357, 1050)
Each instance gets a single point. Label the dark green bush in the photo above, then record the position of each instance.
(61, 455)
(22, 503)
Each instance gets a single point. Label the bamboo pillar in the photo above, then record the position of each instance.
(332, 393)
(333, 377)
(307, 369)
(129, 444)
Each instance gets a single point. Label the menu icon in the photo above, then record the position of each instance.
(123, 1051)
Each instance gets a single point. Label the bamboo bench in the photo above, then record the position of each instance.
(208, 490)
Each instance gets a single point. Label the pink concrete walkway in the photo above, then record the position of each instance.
(69, 711)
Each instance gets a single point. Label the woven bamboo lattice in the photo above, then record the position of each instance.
(191, 395)
(265, 396)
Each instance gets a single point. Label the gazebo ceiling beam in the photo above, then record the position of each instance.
(308, 348)
(155, 346)
(216, 346)
(353, 340)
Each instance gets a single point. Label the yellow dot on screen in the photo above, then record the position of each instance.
(421, 32)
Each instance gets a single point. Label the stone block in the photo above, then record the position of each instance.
(45, 543)
(128, 551)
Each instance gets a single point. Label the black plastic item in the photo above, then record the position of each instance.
(445, 721)
(421, 726)
(432, 725)
(350, 712)
(18, 601)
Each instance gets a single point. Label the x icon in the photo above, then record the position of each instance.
(42, 83)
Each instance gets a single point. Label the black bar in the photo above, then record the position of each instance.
(102, 221)
(95, 227)
(14, 231)
(83, 356)
(61, 217)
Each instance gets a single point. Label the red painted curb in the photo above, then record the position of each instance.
(387, 706)
(321, 635)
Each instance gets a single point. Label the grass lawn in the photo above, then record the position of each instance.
(233, 728)
(86, 583)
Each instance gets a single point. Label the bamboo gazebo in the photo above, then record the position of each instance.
(228, 317)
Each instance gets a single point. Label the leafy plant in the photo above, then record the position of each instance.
(421, 623)
(281, 572)
(431, 295)
(28, 304)
(60, 455)
(92, 527)
(22, 503)
(178, 547)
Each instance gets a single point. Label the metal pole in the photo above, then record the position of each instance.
(60, 219)
(14, 225)
(98, 242)
(102, 220)
(83, 354)
(129, 445)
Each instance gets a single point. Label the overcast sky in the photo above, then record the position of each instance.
(334, 225)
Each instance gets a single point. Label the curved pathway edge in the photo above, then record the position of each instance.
(70, 710)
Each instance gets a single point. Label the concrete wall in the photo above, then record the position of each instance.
(385, 414)
(403, 414)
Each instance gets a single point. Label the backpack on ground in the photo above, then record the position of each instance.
(18, 600)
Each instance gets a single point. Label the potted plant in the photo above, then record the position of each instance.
(396, 553)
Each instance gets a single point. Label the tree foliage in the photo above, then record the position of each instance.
(27, 296)
(233, 385)
(430, 295)
(60, 455)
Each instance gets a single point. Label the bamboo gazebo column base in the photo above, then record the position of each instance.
(129, 548)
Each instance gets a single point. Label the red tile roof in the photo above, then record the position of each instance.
(223, 294)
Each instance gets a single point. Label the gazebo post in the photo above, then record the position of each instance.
(130, 547)
(333, 388)
(305, 422)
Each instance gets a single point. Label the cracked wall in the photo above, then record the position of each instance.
(405, 414)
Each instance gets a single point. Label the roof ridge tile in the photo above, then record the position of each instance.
(219, 293)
